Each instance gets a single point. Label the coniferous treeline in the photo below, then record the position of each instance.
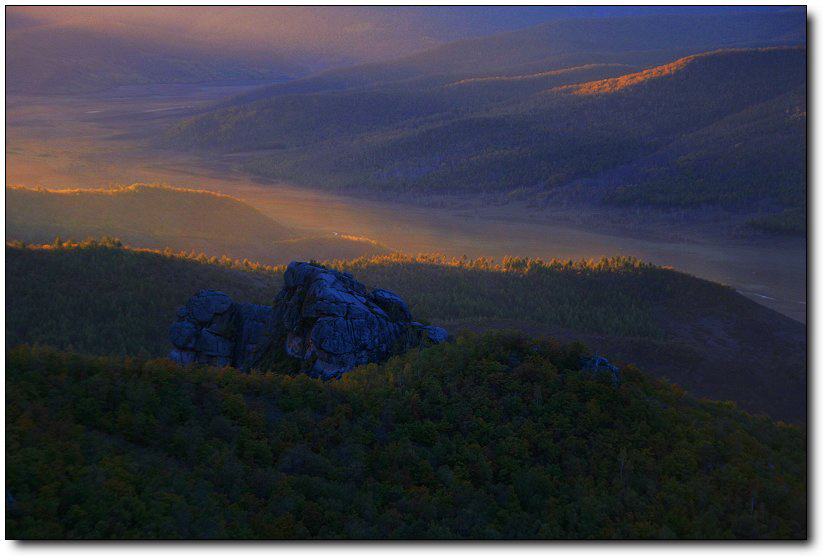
(98, 297)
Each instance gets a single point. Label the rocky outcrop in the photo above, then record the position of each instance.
(214, 330)
(333, 322)
(326, 320)
(597, 365)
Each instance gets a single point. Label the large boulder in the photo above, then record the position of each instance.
(334, 323)
(325, 319)
(215, 330)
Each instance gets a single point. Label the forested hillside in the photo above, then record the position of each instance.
(755, 153)
(687, 133)
(285, 121)
(99, 298)
(158, 217)
(491, 437)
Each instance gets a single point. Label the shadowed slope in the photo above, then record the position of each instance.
(551, 138)
(638, 40)
(706, 337)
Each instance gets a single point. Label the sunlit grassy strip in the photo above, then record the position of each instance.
(508, 263)
(624, 81)
(55, 299)
(168, 252)
(120, 189)
(615, 84)
(347, 237)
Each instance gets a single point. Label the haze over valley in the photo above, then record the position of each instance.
(121, 136)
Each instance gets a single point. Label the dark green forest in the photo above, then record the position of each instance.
(496, 436)
(492, 436)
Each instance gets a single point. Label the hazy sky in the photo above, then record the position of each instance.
(322, 36)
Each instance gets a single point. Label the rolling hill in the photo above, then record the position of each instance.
(81, 49)
(160, 216)
(689, 132)
(77, 49)
(284, 121)
(104, 299)
(637, 40)
(757, 153)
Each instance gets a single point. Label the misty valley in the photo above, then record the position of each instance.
(450, 273)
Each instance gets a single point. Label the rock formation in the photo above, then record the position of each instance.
(327, 320)
(597, 364)
(214, 330)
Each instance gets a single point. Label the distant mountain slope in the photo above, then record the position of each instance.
(286, 121)
(757, 153)
(552, 138)
(159, 216)
(638, 40)
(69, 49)
(103, 299)
(694, 89)
(56, 58)
(633, 37)
(721, 127)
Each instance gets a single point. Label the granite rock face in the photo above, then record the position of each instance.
(214, 330)
(334, 323)
(324, 318)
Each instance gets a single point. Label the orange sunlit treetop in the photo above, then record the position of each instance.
(615, 84)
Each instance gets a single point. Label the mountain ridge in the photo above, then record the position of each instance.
(628, 36)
